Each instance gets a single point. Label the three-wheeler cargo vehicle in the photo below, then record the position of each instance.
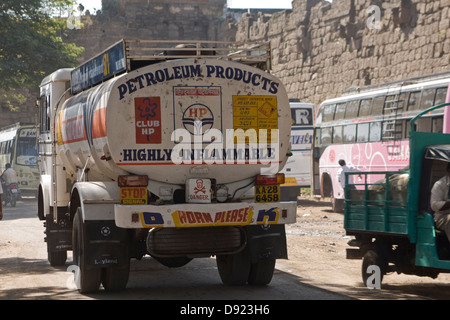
(389, 213)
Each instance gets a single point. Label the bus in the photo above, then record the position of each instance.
(18, 147)
(298, 167)
(369, 129)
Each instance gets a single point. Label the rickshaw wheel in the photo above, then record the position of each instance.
(372, 258)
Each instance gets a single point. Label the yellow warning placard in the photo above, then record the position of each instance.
(255, 112)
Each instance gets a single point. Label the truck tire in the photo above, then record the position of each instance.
(115, 278)
(234, 269)
(261, 273)
(57, 258)
(90, 278)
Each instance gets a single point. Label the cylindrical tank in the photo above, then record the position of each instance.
(161, 120)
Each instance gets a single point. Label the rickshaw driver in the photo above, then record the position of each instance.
(440, 203)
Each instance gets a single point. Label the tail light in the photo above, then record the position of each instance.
(133, 181)
(270, 179)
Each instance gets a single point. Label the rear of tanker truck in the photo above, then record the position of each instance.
(152, 160)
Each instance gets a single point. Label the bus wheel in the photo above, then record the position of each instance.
(115, 278)
(373, 259)
(234, 269)
(89, 278)
(261, 272)
(337, 205)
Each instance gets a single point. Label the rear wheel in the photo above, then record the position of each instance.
(89, 278)
(115, 278)
(373, 259)
(261, 273)
(234, 269)
(13, 200)
(57, 258)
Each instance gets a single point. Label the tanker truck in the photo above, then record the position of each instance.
(146, 150)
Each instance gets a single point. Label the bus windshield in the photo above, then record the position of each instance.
(26, 148)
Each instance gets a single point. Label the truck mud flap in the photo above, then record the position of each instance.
(58, 235)
(108, 244)
(267, 242)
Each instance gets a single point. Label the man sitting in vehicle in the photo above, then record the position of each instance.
(440, 203)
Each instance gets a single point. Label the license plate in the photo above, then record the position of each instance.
(133, 195)
(269, 193)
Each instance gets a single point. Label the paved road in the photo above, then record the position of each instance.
(26, 274)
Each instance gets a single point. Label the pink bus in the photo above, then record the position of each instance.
(369, 129)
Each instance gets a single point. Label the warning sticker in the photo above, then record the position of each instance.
(255, 112)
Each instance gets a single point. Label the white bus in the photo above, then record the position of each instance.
(298, 167)
(18, 147)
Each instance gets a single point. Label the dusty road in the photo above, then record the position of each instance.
(316, 269)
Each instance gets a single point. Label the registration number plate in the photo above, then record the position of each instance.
(267, 193)
(133, 195)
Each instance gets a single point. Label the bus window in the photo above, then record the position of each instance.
(352, 109)
(363, 132)
(325, 136)
(364, 109)
(440, 97)
(375, 131)
(441, 94)
(377, 106)
(337, 134)
(414, 99)
(328, 112)
(438, 125)
(402, 102)
(340, 111)
(349, 133)
(427, 98)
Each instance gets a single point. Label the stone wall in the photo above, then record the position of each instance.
(321, 49)
(150, 20)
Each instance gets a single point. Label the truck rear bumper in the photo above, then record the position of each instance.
(204, 215)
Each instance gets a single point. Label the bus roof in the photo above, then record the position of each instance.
(399, 83)
(390, 89)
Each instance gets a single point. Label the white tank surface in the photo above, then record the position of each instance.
(175, 120)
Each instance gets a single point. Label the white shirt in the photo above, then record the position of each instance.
(439, 194)
(9, 176)
(341, 174)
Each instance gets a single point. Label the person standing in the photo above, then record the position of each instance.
(341, 173)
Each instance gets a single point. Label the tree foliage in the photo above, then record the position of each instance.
(30, 46)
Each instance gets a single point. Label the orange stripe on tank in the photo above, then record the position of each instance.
(99, 124)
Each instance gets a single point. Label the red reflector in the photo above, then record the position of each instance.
(133, 181)
(272, 179)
